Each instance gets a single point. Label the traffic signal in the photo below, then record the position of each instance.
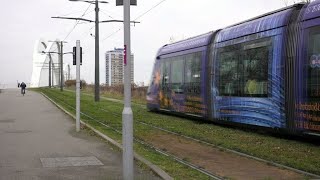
(75, 55)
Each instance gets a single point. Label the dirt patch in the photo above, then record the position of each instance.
(224, 164)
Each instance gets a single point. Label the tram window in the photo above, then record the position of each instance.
(165, 67)
(193, 68)
(177, 74)
(255, 72)
(243, 69)
(177, 71)
(229, 72)
(313, 63)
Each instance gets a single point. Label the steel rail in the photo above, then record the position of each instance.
(227, 149)
(223, 148)
(211, 175)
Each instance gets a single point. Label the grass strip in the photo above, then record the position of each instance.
(296, 154)
(175, 169)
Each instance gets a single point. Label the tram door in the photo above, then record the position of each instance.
(192, 74)
(164, 94)
(176, 87)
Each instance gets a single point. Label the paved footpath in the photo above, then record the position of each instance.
(38, 141)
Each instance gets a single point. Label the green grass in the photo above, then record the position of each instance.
(176, 170)
(107, 94)
(292, 153)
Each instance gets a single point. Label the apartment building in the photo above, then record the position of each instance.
(115, 67)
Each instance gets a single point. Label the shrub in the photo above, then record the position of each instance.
(70, 83)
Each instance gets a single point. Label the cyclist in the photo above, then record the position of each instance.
(23, 88)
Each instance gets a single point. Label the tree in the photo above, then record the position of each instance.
(287, 2)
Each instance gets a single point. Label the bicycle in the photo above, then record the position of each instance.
(23, 91)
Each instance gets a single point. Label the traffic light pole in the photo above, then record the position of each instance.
(78, 86)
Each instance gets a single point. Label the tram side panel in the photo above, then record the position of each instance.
(181, 85)
(307, 78)
(179, 78)
(248, 82)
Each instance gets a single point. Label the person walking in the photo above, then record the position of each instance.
(23, 88)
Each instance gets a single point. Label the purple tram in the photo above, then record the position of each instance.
(263, 72)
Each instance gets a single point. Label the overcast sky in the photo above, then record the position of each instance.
(24, 22)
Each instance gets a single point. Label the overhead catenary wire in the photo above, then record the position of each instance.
(75, 25)
(110, 35)
(141, 15)
(74, 12)
(103, 11)
(149, 10)
(77, 22)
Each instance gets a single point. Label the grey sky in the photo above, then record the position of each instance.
(24, 22)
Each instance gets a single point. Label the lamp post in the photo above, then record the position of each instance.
(127, 115)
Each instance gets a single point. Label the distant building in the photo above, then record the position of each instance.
(115, 67)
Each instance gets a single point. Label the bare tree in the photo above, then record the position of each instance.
(287, 2)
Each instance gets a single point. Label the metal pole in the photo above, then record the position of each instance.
(61, 66)
(78, 87)
(68, 72)
(49, 71)
(97, 83)
(52, 73)
(127, 116)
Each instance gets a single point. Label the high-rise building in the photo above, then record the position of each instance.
(115, 67)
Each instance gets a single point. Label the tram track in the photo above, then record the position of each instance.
(225, 149)
(140, 141)
(193, 139)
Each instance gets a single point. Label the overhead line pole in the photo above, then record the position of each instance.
(97, 73)
(49, 71)
(61, 63)
(68, 72)
(97, 70)
(61, 66)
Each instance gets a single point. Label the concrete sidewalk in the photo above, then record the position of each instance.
(38, 141)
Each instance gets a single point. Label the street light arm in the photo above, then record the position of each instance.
(92, 2)
(50, 52)
(43, 52)
(58, 41)
(68, 53)
(79, 19)
(107, 21)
